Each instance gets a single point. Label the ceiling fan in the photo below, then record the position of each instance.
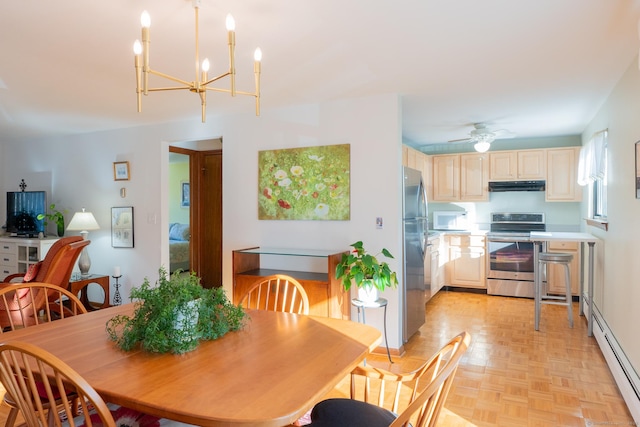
(482, 137)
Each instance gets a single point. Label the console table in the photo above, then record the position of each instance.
(80, 285)
(313, 268)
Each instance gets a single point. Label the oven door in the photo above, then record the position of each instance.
(511, 260)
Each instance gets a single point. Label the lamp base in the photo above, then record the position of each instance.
(84, 263)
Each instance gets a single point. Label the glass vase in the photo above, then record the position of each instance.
(60, 227)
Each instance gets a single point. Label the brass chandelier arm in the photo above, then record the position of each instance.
(167, 76)
(216, 78)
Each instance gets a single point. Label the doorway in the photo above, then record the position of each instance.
(205, 208)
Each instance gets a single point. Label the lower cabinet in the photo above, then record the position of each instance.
(18, 254)
(556, 272)
(466, 263)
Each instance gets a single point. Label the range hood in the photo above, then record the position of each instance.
(501, 186)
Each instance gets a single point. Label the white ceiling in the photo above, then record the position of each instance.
(536, 67)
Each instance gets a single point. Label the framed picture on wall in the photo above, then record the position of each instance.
(308, 183)
(122, 227)
(121, 171)
(184, 199)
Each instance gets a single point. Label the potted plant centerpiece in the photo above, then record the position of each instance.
(175, 315)
(366, 272)
(55, 216)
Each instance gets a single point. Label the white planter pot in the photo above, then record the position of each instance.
(187, 320)
(368, 294)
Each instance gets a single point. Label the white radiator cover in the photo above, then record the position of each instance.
(625, 376)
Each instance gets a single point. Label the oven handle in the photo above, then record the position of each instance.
(508, 239)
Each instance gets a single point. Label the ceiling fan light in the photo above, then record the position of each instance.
(482, 146)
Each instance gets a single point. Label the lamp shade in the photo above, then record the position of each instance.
(83, 221)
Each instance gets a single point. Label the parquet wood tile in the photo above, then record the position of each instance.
(513, 375)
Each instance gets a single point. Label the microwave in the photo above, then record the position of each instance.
(450, 220)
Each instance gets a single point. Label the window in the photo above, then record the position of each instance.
(592, 171)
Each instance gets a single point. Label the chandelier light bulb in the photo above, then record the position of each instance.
(482, 146)
(231, 23)
(257, 55)
(137, 47)
(205, 65)
(145, 19)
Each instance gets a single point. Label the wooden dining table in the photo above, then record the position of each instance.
(269, 373)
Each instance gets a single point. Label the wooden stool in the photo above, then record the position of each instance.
(564, 259)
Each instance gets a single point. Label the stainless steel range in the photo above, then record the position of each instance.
(510, 253)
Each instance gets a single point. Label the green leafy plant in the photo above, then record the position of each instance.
(163, 322)
(365, 270)
(57, 217)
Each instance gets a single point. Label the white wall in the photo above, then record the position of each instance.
(617, 292)
(79, 168)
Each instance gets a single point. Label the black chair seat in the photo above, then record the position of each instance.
(349, 412)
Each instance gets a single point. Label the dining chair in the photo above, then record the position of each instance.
(34, 378)
(424, 407)
(33, 304)
(55, 269)
(278, 292)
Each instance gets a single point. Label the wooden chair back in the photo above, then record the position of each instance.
(34, 303)
(278, 292)
(34, 378)
(426, 406)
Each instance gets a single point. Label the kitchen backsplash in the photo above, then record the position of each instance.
(560, 216)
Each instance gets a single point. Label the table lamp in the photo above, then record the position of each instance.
(83, 221)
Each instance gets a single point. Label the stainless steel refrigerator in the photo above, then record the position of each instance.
(415, 229)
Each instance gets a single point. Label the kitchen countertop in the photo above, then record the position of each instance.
(561, 235)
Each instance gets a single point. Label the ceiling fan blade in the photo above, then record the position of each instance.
(461, 140)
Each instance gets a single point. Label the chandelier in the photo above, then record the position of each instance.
(202, 82)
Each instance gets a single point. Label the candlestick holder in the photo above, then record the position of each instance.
(117, 300)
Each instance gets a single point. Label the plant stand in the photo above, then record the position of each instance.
(380, 302)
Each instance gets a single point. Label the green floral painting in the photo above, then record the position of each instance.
(310, 183)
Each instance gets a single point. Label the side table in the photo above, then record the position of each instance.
(80, 285)
(379, 303)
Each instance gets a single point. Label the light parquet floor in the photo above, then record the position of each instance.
(512, 375)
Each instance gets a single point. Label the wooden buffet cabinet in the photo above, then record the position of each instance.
(326, 295)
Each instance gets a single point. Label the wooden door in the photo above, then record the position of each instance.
(209, 217)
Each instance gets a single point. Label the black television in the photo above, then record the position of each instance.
(23, 208)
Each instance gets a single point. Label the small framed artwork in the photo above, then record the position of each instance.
(121, 171)
(122, 227)
(184, 199)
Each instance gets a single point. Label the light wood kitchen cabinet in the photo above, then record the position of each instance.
(562, 175)
(415, 159)
(460, 177)
(556, 272)
(474, 170)
(466, 262)
(446, 178)
(517, 165)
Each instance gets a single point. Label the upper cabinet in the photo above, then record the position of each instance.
(460, 177)
(415, 159)
(465, 177)
(517, 165)
(562, 173)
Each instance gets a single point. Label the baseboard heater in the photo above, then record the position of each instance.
(625, 376)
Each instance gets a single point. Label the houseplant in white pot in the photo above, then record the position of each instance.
(174, 315)
(365, 271)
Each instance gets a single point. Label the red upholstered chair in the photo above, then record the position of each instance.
(55, 269)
